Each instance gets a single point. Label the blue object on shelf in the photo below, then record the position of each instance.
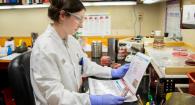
(13, 1)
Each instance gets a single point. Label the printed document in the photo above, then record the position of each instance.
(131, 80)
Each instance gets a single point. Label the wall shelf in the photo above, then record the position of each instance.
(85, 3)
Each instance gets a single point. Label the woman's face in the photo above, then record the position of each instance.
(74, 22)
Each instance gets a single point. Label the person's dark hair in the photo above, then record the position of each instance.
(71, 6)
(10, 38)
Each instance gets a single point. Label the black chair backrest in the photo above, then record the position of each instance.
(19, 76)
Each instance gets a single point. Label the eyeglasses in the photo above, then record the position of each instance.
(79, 18)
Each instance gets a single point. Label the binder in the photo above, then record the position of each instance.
(24, 2)
(30, 1)
(13, 1)
(3, 1)
(7, 1)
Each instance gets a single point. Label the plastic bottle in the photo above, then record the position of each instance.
(152, 34)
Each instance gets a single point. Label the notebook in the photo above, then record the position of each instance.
(131, 80)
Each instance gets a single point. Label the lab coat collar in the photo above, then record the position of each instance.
(54, 34)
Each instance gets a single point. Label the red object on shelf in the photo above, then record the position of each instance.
(45, 1)
(180, 54)
(105, 61)
(192, 56)
(7, 94)
(191, 76)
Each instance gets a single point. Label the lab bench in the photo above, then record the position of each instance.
(168, 72)
(165, 73)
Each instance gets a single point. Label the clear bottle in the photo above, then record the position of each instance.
(152, 34)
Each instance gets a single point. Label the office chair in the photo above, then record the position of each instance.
(19, 76)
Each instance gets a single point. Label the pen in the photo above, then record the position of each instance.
(81, 63)
(118, 85)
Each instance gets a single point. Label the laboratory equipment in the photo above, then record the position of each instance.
(113, 49)
(96, 49)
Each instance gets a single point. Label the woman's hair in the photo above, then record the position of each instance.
(10, 38)
(56, 6)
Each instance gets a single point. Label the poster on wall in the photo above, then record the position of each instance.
(173, 18)
(96, 24)
(188, 17)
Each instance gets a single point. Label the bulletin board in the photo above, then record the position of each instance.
(173, 18)
(188, 17)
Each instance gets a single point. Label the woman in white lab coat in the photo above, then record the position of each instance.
(55, 69)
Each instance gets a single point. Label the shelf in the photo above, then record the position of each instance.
(3, 4)
(85, 3)
(24, 6)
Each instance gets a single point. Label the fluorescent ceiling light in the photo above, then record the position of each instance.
(109, 3)
(24, 6)
(152, 1)
(85, 3)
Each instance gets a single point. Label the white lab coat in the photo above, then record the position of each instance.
(56, 73)
(11, 44)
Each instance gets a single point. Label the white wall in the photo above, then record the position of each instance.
(21, 22)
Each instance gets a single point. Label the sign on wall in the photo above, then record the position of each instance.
(173, 19)
(96, 24)
(188, 17)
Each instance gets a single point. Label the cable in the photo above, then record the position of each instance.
(156, 92)
(150, 73)
(135, 15)
(140, 26)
